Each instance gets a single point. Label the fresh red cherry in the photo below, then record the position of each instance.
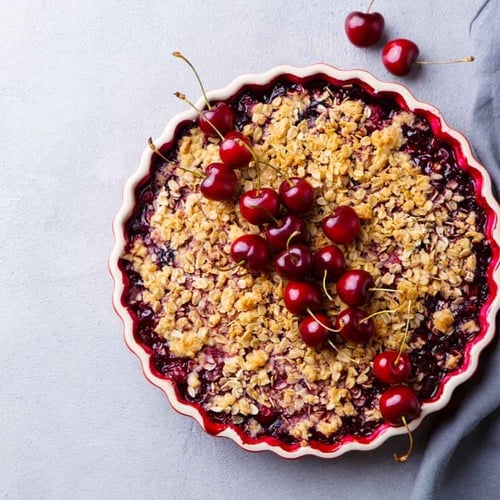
(387, 370)
(218, 118)
(397, 402)
(342, 226)
(294, 263)
(266, 416)
(353, 287)
(329, 259)
(259, 206)
(220, 182)
(297, 195)
(353, 325)
(252, 251)
(233, 151)
(312, 332)
(300, 296)
(398, 56)
(364, 28)
(278, 235)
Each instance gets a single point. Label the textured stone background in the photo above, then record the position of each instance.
(82, 86)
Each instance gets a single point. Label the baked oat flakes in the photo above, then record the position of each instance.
(224, 336)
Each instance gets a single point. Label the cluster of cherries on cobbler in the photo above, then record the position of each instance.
(365, 29)
(283, 242)
(297, 263)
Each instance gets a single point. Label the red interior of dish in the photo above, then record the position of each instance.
(491, 220)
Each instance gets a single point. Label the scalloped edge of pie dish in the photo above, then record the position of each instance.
(465, 160)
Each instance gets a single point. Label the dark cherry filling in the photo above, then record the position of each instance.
(429, 153)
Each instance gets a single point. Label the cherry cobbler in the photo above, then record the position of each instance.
(307, 318)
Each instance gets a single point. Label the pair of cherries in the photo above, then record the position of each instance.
(220, 182)
(352, 323)
(365, 29)
(398, 403)
(398, 56)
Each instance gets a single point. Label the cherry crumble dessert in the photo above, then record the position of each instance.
(315, 318)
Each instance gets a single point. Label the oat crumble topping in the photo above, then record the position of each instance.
(228, 333)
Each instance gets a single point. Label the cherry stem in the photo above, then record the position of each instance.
(277, 170)
(238, 264)
(406, 456)
(329, 91)
(369, 6)
(320, 323)
(376, 313)
(334, 346)
(272, 217)
(153, 148)
(259, 182)
(340, 352)
(401, 348)
(186, 60)
(267, 212)
(290, 238)
(325, 273)
(463, 59)
(293, 258)
(382, 290)
(255, 159)
(182, 97)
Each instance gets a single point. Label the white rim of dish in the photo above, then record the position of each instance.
(167, 135)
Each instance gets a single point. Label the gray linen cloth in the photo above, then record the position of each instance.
(462, 458)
